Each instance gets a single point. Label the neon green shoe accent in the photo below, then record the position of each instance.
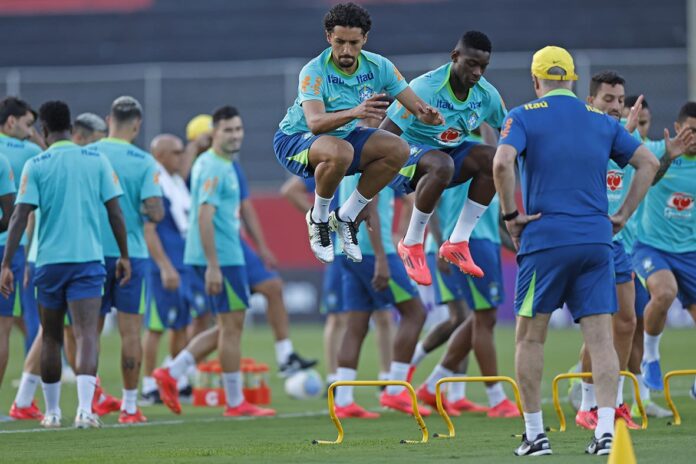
(143, 303)
(527, 305)
(66, 320)
(154, 322)
(400, 295)
(445, 293)
(302, 157)
(480, 301)
(17, 306)
(235, 303)
(408, 171)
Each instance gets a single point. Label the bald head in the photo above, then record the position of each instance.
(167, 149)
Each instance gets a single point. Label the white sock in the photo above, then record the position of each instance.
(619, 391)
(398, 371)
(331, 377)
(232, 382)
(383, 375)
(416, 227)
(605, 422)
(418, 354)
(468, 218)
(167, 361)
(52, 397)
(283, 350)
(129, 402)
(27, 389)
(182, 382)
(86, 384)
(352, 207)
(344, 395)
(496, 394)
(320, 212)
(588, 397)
(181, 364)
(438, 373)
(149, 385)
(651, 347)
(533, 425)
(456, 390)
(642, 389)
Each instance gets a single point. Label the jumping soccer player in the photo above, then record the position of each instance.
(564, 239)
(68, 185)
(142, 200)
(318, 136)
(441, 157)
(213, 247)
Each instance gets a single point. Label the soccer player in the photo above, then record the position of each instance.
(7, 197)
(441, 156)
(644, 115)
(213, 247)
(68, 185)
(16, 131)
(378, 282)
(142, 200)
(88, 128)
(318, 136)
(564, 236)
(665, 253)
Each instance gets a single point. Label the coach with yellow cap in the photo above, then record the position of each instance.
(199, 132)
(562, 147)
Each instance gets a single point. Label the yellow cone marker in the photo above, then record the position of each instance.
(621, 448)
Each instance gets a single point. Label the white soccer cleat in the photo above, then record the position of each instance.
(51, 420)
(320, 239)
(87, 420)
(347, 233)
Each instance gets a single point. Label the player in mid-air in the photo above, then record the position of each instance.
(213, 248)
(141, 201)
(69, 185)
(442, 157)
(319, 136)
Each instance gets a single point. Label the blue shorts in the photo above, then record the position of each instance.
(235, 289)
(402, 183)
(129, 298)
(165, 309)
(623, 267)
(293, 150)
(59, 284)
(480, 294)
(648, 260)
(358, 293)
(582, 276)
(332, 288)
(194, 292)
(642, 296)
(256, 270)
(13, 305)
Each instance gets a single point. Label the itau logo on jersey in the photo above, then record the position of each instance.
(450, 136)
(679, 204)
(614, 180)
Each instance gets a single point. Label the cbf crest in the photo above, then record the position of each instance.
(472, 121)
(365, 93)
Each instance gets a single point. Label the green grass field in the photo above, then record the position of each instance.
(202, 435)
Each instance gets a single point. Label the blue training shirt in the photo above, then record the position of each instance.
(563, 147)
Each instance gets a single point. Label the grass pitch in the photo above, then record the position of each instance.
(202, 435)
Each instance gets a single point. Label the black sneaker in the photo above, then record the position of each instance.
(295, 363)
(150, 398)
(186, 395)
(600, 446)
(540, 446)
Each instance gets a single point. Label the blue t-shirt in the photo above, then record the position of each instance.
(139, 177)
(170, 237)
(214, 181)
(69, 185)
(322, 80)
(482, 104)
(385, 210)
(17, 153)
(668, 220)
(564, 147)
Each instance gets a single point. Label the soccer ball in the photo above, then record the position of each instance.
(304, 384)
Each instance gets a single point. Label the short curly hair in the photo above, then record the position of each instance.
(348, 15)
(55, 116)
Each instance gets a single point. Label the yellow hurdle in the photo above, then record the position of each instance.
(441, 409)
(668, 393)
(371, 383)
(586, 375)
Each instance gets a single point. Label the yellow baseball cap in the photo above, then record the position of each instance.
(553, 57)
(199, 125)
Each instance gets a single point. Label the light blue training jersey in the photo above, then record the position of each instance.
(322, 80)
(139, 177)
(69, 185)
(214, 181)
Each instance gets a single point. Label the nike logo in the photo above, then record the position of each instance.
(333, 99)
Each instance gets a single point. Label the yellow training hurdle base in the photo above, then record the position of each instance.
(587, 375)
(372, 383)
(441, 409)
(668, 393)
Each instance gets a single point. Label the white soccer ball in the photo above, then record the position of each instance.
(304, 384)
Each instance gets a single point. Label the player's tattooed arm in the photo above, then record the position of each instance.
(168, 273)
(118, 227)
(18, 223)
(153, 209)
(321, 122)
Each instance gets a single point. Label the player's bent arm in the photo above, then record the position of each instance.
(646, 165)
(504, 177)
(321, 122)
(207, 232)
(153, 209)
(118, 225)
(18, 223)
(390, 126)
(421, 110)
(6, 204)
(295, 191)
